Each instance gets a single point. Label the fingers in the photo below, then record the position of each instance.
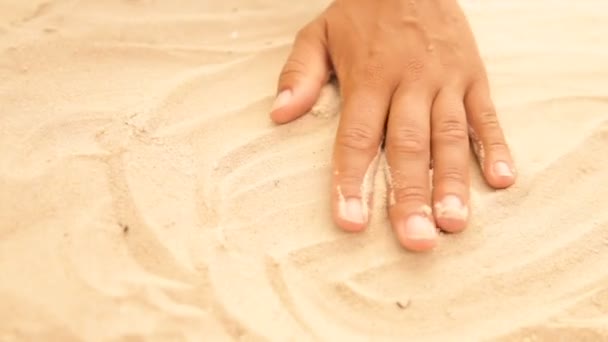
(408, 156)
(450, 150)
(356, 152)
(487, 137)
(303, 75)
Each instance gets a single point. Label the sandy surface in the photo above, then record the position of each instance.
(144, 193)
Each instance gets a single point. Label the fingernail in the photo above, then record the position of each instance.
(451, 207)
(281, 100)
(502, 169)
(419, 228)
(352, 211)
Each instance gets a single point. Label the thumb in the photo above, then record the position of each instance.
(303, 75)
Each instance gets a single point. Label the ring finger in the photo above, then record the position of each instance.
(450, 150)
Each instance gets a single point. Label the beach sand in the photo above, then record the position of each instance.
(146, 195)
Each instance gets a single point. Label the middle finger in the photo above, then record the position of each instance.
(408, 155)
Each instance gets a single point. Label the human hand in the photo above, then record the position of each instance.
(410, 76)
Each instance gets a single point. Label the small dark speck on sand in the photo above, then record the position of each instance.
(401, 305)
(125, 228)
(276, 182)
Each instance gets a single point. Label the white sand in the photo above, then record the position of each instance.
(145, 194)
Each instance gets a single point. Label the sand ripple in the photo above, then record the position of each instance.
(145, 194)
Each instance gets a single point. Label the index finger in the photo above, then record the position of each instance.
(357, 146)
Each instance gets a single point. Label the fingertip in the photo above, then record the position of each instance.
(279, 113)
(280, 116)
(451, 214)
(451, 224)
(294, 102)
(418, 245)
(500, 175)
(349, 226)
(304, 73)
(417, 234)
(350, 214)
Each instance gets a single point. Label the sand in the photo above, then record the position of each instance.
(146, 195)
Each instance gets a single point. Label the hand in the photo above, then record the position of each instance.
(410, 76)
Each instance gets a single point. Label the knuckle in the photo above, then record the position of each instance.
(372, 74)
(496, 145)
(293, 69)
(349, 180)
(489, 119)
(407, 140)
(410, 194)
(451, 174)
(490, 129)
(451, 129)
(478, 76)
(358, 137)
(414, 70)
